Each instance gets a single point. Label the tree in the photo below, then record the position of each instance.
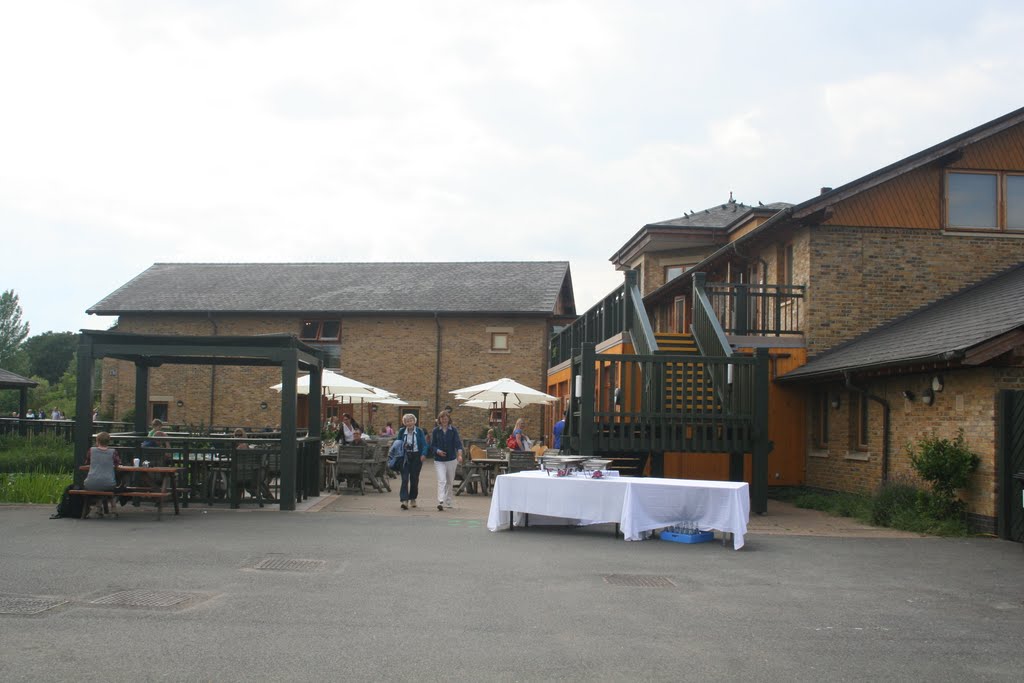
(50, 353)
(12, 330)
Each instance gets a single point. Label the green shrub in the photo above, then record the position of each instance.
(33, 487)
(947, 466)
(892, 499)
(38, 454)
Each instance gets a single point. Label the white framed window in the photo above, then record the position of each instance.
(985, 200)
(499, 342)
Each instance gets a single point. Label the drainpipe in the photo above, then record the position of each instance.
(885, 422)
(213, 369)
(437, 368)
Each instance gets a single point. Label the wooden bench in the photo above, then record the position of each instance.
(158, 496)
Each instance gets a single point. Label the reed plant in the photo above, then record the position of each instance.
(39, 454)
(33, 487)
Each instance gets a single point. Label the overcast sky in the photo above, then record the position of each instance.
(254, 130)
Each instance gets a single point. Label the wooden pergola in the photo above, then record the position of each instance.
(9, 380)
(148, 351)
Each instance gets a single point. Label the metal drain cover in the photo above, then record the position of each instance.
(290, 565)
(640, 580)
(12, 604)
(145, 598)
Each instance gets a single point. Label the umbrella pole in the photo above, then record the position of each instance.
(504, 397)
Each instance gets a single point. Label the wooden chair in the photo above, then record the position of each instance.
(520, 461)
(352, 467)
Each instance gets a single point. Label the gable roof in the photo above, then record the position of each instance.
(525, 288)
(807, 210)
(9, 380)
(713, 222)
(942, 331)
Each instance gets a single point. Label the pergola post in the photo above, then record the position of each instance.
(83, 405)
(289, 371)
(141, 396)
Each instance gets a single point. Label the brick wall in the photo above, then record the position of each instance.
(398, 354)
(859, 278)
(968, 401)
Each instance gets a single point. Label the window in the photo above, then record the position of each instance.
(679, 317)
(672, 272)
(985, 201)
(859, 421)
(323, 335)
(819, 417)
(499, 342)
(785, 274)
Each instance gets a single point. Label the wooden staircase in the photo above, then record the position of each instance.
(686, 386)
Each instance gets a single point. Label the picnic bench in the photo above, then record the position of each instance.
(167, 490)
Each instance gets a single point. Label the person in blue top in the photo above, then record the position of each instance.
(557, 430)
(415, 444)
(446, 446)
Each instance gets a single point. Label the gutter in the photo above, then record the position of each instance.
(437, 368)
(213, 370)
(885, 421)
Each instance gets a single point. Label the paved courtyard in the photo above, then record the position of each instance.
(356, 589)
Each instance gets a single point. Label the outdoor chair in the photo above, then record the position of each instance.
(520, 461)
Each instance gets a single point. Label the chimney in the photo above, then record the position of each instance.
(826, 190)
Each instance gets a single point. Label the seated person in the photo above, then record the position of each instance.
(103, 462)
(357, 437)
(240, 434)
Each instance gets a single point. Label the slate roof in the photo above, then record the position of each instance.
(9, 380)
(719, 216)
(529, 287)
(940, 331)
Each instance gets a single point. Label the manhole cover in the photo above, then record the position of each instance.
(639, 580)
(290, 565)
(11, 604)
(144, 598)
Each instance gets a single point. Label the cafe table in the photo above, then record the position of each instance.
(638, 505)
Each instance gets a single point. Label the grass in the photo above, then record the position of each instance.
(33, 487)
(897, 505)
(38, 454)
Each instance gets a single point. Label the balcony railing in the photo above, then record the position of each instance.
(765, 310)
(605, 319)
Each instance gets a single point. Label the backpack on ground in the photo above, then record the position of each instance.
(69, 505)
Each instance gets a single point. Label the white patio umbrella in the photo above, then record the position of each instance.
(336, 383)
(506, 391)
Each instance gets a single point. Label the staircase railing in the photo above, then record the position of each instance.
(710, 338)
(639, 325)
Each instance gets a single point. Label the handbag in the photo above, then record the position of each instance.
(396, 456)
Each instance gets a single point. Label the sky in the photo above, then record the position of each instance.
(251, 131)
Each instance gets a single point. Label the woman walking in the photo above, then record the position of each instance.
(447, 448)
(415, 446)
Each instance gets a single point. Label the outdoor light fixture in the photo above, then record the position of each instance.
(937, 383)
(180, 403)
(263, 405)
(928, 396)
(834, 401)
(908, 394)
(579, 386)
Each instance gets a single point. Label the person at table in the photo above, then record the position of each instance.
(388, 430)
(239, 433)
(357, 438)
(446, 446)
(103, 462)
(491, 439)
(348, 427)
(415, 445)
(523, 442)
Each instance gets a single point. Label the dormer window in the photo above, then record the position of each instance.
(985, 201)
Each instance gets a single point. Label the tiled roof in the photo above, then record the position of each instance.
(529, 287)
(9, 380)
(718, 216)
(939, 331)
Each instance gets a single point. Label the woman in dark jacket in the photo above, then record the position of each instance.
(415, 445)
(447, 449)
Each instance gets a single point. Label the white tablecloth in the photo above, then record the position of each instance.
(637, 504)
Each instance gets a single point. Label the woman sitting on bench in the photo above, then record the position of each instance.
(103, 462)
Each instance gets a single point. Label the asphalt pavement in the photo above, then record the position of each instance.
(354, 588)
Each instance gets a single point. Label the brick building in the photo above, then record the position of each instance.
(806, 279)
(416, 329)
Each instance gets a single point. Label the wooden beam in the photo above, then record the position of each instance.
(986, 351)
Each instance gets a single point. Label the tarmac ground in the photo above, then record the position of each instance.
(356, 589)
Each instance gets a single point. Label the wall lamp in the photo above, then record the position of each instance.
(937, 383)
(180, 403)
(928, 396)
(908, 394)
(834, 400)
(263, 405)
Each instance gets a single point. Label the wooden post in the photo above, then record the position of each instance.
(83, 406)
(141, 396)
(587, 372)
(289, 370)
(762, 445)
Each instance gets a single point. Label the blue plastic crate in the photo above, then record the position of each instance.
(699, 537)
